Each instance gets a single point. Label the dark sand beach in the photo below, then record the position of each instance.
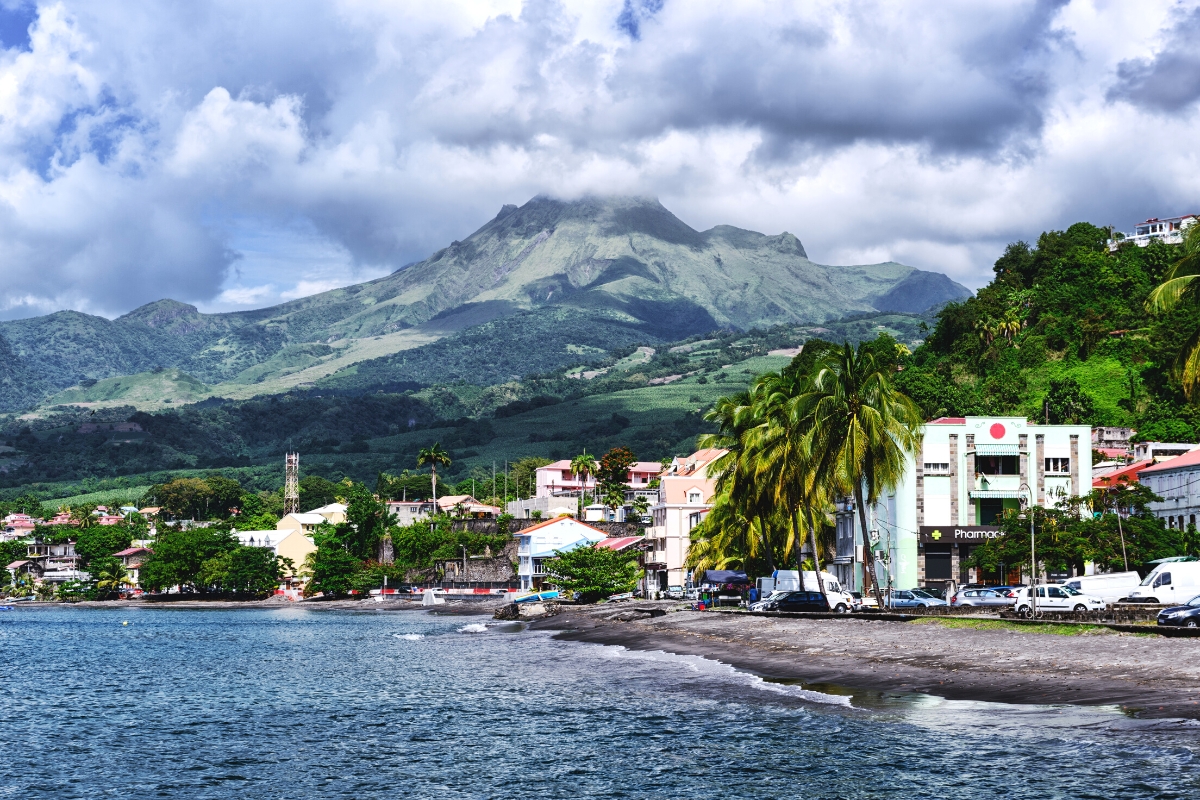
(1145, 674)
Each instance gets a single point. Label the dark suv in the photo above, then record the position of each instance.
(801, 601)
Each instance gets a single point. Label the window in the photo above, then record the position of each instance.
(1164, 579)
(1059, 593)
(937, 468)
(997, 465)
(694, 497)
(1058, 466)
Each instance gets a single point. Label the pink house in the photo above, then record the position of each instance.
(557, 478)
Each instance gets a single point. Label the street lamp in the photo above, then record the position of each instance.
(1024, 487)
(1113, 490)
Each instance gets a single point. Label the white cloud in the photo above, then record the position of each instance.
(221, 152)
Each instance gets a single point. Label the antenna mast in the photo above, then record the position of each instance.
(291, 483)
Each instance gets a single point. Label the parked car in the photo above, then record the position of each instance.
(914, 598)
(1055, 597)
(803, 601)
(932, 591)
(674, 592)
(981, 597)
(1187, 615)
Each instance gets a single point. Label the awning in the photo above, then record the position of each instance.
(723, 576)
(995, 494)
(997, 450)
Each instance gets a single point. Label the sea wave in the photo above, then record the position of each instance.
(474, 627)
(411, 637)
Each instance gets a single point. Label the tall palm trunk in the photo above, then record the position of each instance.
(766, 540)
(868, 554)
(812, 538)
(433, 476)
(796, 549)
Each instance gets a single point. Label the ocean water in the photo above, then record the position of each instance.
(306, 703)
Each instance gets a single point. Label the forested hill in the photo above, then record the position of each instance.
(1062, 321)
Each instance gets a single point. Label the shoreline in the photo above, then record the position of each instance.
(1146, 677)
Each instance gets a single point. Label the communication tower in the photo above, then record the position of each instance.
(291, 483)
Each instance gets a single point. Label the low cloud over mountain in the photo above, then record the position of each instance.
(232, 154)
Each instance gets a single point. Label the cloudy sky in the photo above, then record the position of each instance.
(236, 153)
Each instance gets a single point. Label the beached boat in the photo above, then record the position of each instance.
(537, 597)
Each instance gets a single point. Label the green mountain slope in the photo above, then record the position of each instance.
(604, 272)
(1062, 331)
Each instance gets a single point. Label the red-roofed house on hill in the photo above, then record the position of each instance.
(1177, 482)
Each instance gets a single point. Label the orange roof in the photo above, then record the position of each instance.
(1123, 475)
(533, 528)
(1188, 459)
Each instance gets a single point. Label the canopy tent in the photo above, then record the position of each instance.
(724, 576)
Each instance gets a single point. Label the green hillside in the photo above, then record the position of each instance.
(535, 288)
(143, 391)
(648, 398)
(1062, 331)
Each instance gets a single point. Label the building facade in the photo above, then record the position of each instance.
(1177, 482)
(685, 496)
(557, 478)
(539, 542)
(969, 472)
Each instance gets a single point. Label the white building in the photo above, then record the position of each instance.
(970, 471)
(1177, 482)
(1161, 451)
(1168, 231)
(539, 542)
(685, 496)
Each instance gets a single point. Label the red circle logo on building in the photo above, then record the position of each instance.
(997, 431)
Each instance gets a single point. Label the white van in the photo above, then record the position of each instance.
(1110, 588)
(1172, 583)
(788, 580)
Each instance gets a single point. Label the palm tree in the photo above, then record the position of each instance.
(1180, 285)
(112, 579)
(433, 455)
(582, 466)
(614, 496)
(860, 431)
(640, 506)
(739, 499)
(781, 449)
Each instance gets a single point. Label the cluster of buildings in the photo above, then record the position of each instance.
(968, 473)
(1169, 230)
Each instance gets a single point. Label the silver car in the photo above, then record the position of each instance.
(981, 597)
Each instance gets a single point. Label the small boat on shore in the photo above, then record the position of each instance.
(536, 597)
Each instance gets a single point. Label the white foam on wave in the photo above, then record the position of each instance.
(718, 670)
(474, 627)
(411, 637)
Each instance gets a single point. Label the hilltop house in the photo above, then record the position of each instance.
(557, 491)
(407, 512)
(1168, 231)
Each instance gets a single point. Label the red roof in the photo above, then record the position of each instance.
(620, 542)
(949, 421)
(1123, 475)
(1112, 452)
(133, 551)
(1189, 459)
